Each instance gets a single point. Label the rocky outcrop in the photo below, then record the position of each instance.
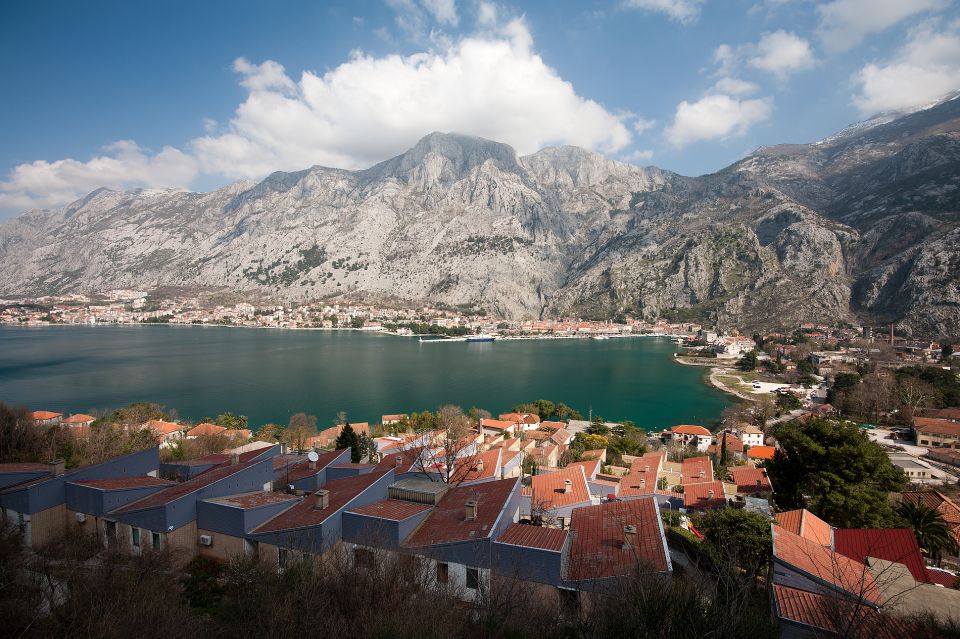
(863, 224)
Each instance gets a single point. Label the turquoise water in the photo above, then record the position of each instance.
(270, 374)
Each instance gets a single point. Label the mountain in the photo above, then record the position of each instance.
(861, 225)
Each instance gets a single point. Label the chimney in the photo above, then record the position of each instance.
(643, 482)
(234, 459)
(58, 466)
(399, 461)
(312, 465)
(710, 495)
(478, 465)
(323, 499)
(646, 468)
(629, 537)
(701, 474)
(471, 508)
(567, 486)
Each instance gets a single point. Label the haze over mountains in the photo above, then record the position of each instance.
(862, 225)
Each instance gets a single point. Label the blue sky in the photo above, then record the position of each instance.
(199, 94)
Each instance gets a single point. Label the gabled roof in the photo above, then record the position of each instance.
(205, 428)
(539, 537)
(821, 612)
(696, 470)
(640, 481)
(804, 523)
(821, 563)
(44, 414)
(893, 544)
(302, 469)
(392, 509)
(552, 425)
(761, 452)
(548, 488)
(176, 491)
(689, 429)
(79, 418)
(448, 522)
(597, 540)
(304, 515)
(160, 427)
(704, 495)
(590, 467)
(750, 480)
(477, 467)
(124, 483)
(496, 424)
(935, 426)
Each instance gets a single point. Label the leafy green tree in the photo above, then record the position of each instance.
(836, 472)
(843, 385)
(598, 427)
(356, 322)
(788, 402)
(748, 362)
(368, 447)
(738, 534)
(588, 441)
(232, 421)
(933, 535)
(544, 408)
(946, 350)
(348, 439)
(565, 412)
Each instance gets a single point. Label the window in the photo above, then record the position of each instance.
(155, 539)
(21, 524)
(135, 535)
(443, 573)
(473, 578)
(562, 522)
(110, 529)
(282, 554)
(252, 548)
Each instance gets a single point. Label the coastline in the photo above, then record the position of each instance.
(711, 377)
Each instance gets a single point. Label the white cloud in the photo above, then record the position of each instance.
(844, 23)
(925, 68)
(124, 165)
(716, 116)
(443, 11)
(640, 125)
(734, 86)
(639, 156)
(370, 108)
(683, 11)
(781, 53)
(486, 14)
(365, 110)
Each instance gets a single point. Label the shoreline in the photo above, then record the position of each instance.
(710, 378)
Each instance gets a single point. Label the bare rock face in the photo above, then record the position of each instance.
(862, 224)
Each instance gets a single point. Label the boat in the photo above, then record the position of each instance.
(600, 337)
(481, 338)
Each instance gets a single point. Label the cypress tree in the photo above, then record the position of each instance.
(348, 439)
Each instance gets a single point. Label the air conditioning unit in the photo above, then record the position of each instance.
(206, 540)
(80, 517)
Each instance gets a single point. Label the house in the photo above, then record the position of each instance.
(734, 446)
(733, 346)
(704, 496)
(36, 504)
(165, 432)
(749, 434)
(936, 500)
(389, 420)
(936, 432)
(328, 437)
(308, 476)
(892, 544)
(89, 501)
(79, 423)
(480, 468)
(225, 523)
(690, 435)
(497, 427)
(46, 418)
(524, 421)
(205, 429)
(750, 480)
(553, 496)
(696, 470)
(643, 476)
(804, 523)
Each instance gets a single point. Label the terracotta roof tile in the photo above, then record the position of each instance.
(696, 470)
(597, 549)
(935, 426)
(699, 495)
(548, 488)
(750, 480)
(79, 418)
(893, 544)
(818, 561)
(392, 509)
(448, 523)
(539, 537)
(688, 429)
(477, 467)
(44, 414)
(205, 429)
(804, 523)
(761, 452)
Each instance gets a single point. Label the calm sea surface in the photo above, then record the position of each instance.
(271, 374)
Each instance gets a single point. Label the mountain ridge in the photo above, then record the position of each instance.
(858, 225)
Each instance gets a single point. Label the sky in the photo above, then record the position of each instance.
(186, 94)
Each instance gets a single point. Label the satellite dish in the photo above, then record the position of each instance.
(312, 456)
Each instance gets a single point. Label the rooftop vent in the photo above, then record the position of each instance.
(567, 486)
(234, 459)
(58, 467)
(710, 495)
(471, 509)
(629, 537)
(323, 499)
(420, 491)
(478, 465)
(399, 461)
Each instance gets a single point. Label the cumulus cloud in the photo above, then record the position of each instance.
(124, 165)
(367, 109)
(640, 125)
(924, 69)
(781, 52)
(734, 86)
(639, 156)
(844, 23)
(716, 116)
(370, 108)
(682, 11)
(443, 11)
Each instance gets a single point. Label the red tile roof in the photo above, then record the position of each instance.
(804, 523)
(893, 544)
(548, 488)
(590, 467)
(205, 429)
(935, 426)
(254, 500)
(176, 491)
(79, 418)
(941, 577)
(539, 537)
(750, 480)
(952, 412)
(477, 467)
(699, 495)
(122, 483)
(596, 548)
(632, 486)
(696, 470)
(821, 612)
(303, 515)
(496, 424)
(160, 427)
(24, 468)
(520, 418)
(552, 425)
(448, 523)
(44, 414)
(761, 452)
(688, 429)
(392, 509)
(818, 561)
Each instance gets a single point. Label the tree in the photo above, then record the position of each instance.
(565, 412)
(742, 534)
(299, 429)
(598, 426)
(788, 402)
(835, 471)
(933, 535)
(233, 422)
(368, 448)
(946, 350)
(450, 449)
(348, 439)
(271, 433)
(748, 362)
(588, 441)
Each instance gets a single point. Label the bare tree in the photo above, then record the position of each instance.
(450, 451)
